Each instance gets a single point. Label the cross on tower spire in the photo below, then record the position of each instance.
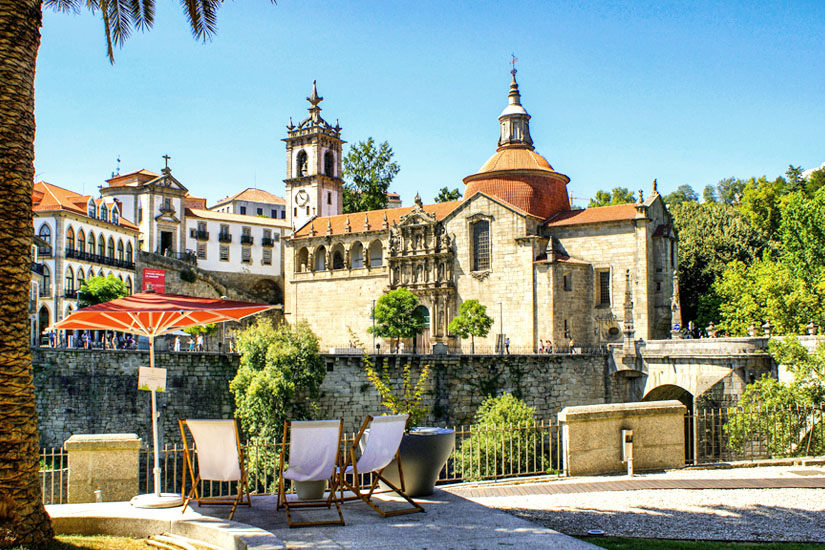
(166, 159)
(513, 63)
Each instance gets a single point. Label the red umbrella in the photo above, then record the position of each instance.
(150, 314)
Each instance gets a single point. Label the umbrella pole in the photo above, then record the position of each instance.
(156, 470)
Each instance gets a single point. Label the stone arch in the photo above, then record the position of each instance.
(69, 238)
(268, 291)
(110, 250)
(43, 321)
(129, 285)
(92, 243)
(80, 277)
(320, 256)
(338, 257)
(69, 279)
(302, 260)
(47, 284)
(101, 245)
(670, 391)
(356, 255)
(301, 164)
(376, 253)
(81, 240)
(45, 233)
(129, 253)
(120, 249)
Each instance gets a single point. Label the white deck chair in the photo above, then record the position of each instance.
(314, 455)
(380, 449)
(220, 458)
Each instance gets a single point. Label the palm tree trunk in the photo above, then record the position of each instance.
(23, 519)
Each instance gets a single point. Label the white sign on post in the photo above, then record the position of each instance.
(150, 379)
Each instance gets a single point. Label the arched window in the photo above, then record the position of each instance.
(129, 251)
(111, 249)
(129, 285)
(81, 241)
(320, 258)
(45, 233)
(47, 288)
(376, 254)
(115, 215)
(301, 260)
(329, 164)
(80, 278)
(481, 245)
(338, 260)
(69, 279)
(101, 246)
(91, 243)
(356, 255)
(120, 250)
(70, 238)
(104, 212)
(301, 166)
(91, 208)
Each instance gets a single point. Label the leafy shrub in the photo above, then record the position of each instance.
(188, 275)
(504, 440)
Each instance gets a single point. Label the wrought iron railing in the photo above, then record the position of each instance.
(54, 476)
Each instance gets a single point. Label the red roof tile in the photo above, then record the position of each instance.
(374, 217)
(593, 215)
(253, 195)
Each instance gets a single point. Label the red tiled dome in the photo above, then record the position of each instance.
(523, 178)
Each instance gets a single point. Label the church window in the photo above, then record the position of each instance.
(45, 233)
(568, 282)
(672, 255)
(111, 248)
(46, 289)
(91, 243)
(201, 251)
(376, 254)
(329, 164)
(337, 260)
(267, 256)
(301, 260)
(246, 255)
(224, 253)
(115, 216)
(129, 252)
(81, 241)
(481, 246)
(104, 214)
(357, 256)
(301, 164)
(101, 246)
(604, 287)
(321, 259)
(69, 239)
(120, 250)
(91, 209)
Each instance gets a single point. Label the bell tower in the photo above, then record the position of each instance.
(314, 186)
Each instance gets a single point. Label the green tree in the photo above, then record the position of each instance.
(397, 315)
(447, 195)
(368, 171)
(711, 235)
(795, 180)
(24, 520)
(803, 235)
(97, 290)
(683, 193)
(619, 195)
(504, 440)
(815, 182)
(784, 416)
(709, 194)
(730, 190)
(279, 379)
(761, 203)
(206, 330)
(472, 320)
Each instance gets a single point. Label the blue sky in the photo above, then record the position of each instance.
(620, 92)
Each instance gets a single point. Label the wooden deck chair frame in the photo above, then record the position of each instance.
(334, 485)
(366, 493)
(242, 497)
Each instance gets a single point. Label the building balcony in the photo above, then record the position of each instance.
(38, 268)
(45, 251)
(70, 294)
(247, 239)
(267, 241)
(45, 292)
(198, 234)
(225, 237)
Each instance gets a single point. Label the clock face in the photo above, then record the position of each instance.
(301, 198)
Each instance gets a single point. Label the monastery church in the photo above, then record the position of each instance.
(544, 270)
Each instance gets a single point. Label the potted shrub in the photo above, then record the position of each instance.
(424, 450)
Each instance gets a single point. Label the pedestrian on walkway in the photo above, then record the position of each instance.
(507, 345)
(177, 343)
(200, 342)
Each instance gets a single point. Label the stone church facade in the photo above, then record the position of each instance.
(544, 271)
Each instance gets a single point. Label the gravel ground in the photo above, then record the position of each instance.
(705, 514)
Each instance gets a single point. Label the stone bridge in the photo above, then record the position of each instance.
(710, 371)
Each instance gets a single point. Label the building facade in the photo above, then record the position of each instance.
(544, 271)
(252, 202)
(80, 237)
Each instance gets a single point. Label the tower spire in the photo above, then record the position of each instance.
(514, 120)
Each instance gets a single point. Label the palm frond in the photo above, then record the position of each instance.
(202, 16)
(65, 6)
(120, 20)
(143, 13)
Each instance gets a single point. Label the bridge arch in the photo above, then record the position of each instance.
(670, 391)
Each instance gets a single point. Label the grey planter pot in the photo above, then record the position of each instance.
(310, 490)
(424, 451)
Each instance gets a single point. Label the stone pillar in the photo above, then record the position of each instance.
(105, 462)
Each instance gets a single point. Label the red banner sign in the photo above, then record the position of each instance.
(154, 280)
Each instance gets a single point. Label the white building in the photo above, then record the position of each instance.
(81, 237)
(236, 243)
(252, 202)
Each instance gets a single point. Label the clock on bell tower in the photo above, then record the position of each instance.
(313, 166)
